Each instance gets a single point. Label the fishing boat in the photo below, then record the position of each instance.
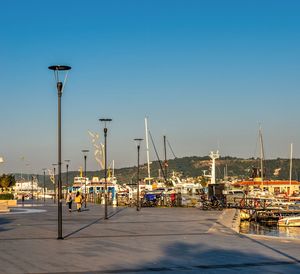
(289, 221)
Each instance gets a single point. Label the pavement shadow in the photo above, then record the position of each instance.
(181, 257)
(185, 258)
(4, 221)
(204, 258)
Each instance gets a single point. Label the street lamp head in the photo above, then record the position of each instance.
(85, 152)
(57, 71)
(59, 67)
(138, 141)
(67, 163)
(105, 120)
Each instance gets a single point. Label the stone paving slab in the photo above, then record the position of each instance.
(160, 240)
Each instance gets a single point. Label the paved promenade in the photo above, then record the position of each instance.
(154, 240)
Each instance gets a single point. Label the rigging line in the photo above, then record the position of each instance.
(219, 171)
(171, 149)
(256, 147)
(262, 145)
(55, 75)
(159, 161)
(65, 80)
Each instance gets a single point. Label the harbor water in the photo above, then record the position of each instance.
(269, 230)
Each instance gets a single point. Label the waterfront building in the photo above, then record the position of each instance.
(273, 187)
(96, 186)
(28, 188)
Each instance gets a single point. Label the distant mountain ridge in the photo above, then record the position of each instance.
(194, 166)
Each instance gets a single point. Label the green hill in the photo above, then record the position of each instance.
(193, 167)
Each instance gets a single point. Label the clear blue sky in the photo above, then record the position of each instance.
(205, 72)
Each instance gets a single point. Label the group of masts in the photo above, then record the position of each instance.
(262, 158)
(163, 166)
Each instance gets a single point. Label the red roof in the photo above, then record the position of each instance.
(267, 183)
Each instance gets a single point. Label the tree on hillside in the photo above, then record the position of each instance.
(7, 181)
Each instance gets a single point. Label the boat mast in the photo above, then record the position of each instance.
(147, 147)
(113, 170)
(291, 166)
(225, 172)
(165, 163)
(261, 157)
(159, 161)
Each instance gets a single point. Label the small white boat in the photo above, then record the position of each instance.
(289, 221)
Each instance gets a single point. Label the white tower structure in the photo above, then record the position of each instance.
(213, 156)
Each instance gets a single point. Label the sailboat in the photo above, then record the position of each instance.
(258, 173)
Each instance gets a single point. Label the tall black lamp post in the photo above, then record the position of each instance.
(138, 145)
(85, 152)
(44, 169)
(59, 85)
(105, 121)
(67, 177)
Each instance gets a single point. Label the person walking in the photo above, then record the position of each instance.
(69, 200)
(78, 201)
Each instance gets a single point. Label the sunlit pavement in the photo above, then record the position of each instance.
(153, 240)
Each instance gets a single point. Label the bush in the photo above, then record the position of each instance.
(6, 196)
(7, 181)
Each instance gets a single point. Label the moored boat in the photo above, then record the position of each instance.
(289, 221)
(244, 215)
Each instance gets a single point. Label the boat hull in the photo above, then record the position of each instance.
(290, 222)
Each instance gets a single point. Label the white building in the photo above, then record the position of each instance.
(27, 186)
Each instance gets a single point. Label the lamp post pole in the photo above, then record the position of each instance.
(67, 177)
(54, 177)
(59, 86)
(138, 142)
(105, 120)
(44, 169)
(85, 151)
